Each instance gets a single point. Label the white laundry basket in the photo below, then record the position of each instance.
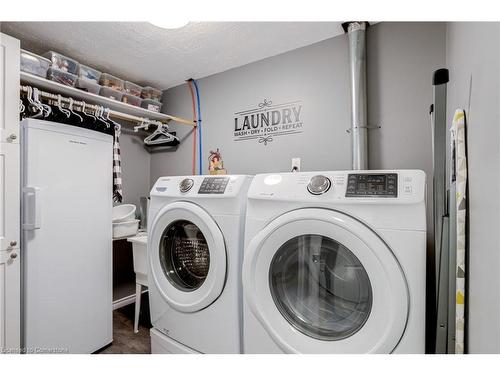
(123, 212)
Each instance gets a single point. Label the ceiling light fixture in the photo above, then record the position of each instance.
(174, 23)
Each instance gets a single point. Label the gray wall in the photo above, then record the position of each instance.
(401, 58)
(473, 57)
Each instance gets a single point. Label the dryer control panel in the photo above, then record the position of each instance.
(213, 185)
(388, 187)
(372, 185)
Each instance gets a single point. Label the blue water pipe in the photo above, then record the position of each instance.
(200, 148)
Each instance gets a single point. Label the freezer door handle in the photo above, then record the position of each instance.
(32, 214)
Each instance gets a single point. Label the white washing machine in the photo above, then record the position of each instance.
(335, 263)
(195, 251)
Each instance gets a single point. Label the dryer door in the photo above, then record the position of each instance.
(187, 256)
(320, 281)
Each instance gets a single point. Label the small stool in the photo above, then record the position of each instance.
(140, 254)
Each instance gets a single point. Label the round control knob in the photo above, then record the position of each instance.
(186, 185)
(319, 185)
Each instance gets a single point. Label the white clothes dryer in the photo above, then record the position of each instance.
(195, 251)
(335, 263)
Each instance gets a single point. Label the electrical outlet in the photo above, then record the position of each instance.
(295, 164)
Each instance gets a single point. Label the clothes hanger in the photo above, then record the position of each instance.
(143, 125)
(59, 106)
(99, 112)
(160, 136)
(34, 104)
(23, 113)
(117, 126)
(71, 101)
(87, 114)
(28, 97)
(21, 106)
(46, 109)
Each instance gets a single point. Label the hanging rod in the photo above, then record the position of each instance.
(81, 104)
(113, 113)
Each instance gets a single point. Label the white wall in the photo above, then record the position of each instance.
(473, 57)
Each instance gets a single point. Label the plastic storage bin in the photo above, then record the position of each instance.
(151, 105)
(59, 76)
(89, 86)
(149, 92)
(88, 73)
(125, 229)
(133, 89)
(61, 62)
(132, 100)
(34, 64)
(111, 93)
(111, 81)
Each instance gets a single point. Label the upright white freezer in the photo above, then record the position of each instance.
(67, 238)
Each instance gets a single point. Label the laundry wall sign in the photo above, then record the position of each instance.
(268, 121)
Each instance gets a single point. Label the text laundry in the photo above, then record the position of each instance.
(269, 118)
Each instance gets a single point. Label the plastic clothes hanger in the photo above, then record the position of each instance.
(160, 136)
(71, 101)
(118, 127)
(142, 125)
(21, 106)
(87, 114)
(59, 106)
(99, 113)
(46, 109)
(34, 104)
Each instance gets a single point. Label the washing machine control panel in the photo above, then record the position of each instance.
(372, 185)
(186, 184)
(319, 184)
(213, 185)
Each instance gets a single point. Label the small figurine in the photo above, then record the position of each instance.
(215, 163)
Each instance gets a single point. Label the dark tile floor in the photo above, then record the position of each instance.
(125, 341)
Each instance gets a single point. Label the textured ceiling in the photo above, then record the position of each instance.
(146, 54)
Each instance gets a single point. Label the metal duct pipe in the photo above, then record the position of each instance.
(356, 33)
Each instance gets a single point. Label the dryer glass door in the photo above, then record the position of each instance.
(187, 257)
(320, 281)
(320, 287)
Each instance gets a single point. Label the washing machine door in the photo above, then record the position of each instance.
(320, 281)
(187, 256)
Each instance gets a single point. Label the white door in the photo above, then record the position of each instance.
(320, 281)
(9, 88)
(9, 142)
(9, 196)
(10, 292)
(187, 257)
(10, 301)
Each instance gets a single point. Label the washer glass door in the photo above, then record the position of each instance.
(187, 256)
(184, 255)
(320, 287)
